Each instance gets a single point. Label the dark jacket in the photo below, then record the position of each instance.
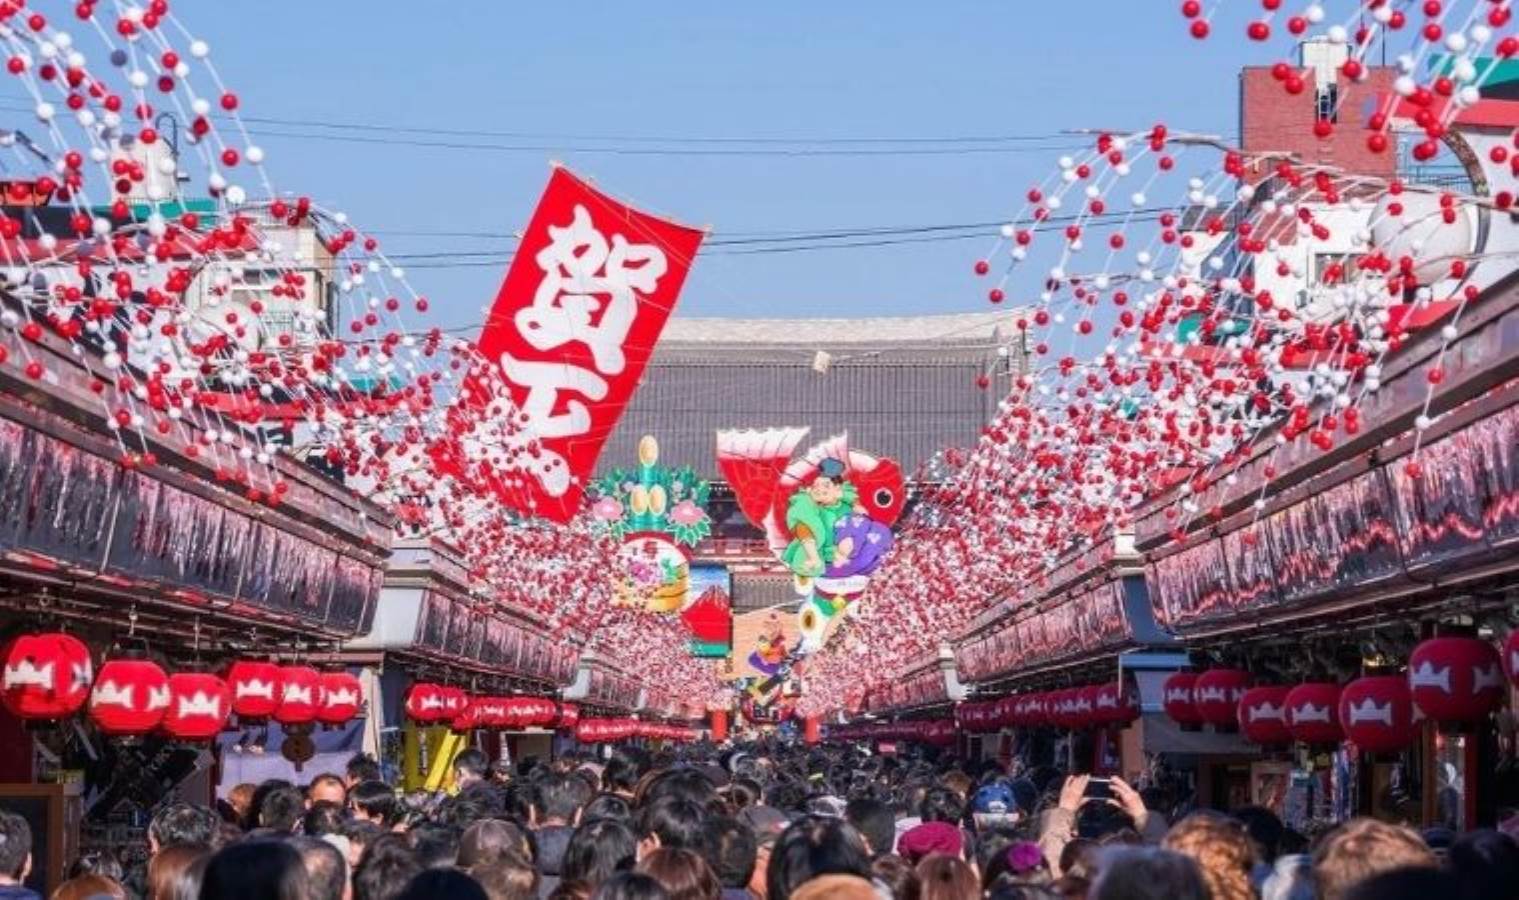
(18, 892)
(553, 840)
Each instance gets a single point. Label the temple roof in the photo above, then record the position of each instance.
(901, 387)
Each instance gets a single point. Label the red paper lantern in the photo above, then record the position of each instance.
(1178, 699)
(342, 698)
(1084, 706)
(1115, 705)
(257, 688)
(1313, 713)
(468, 718)
(425, 703)
(569, 715)
(301, 696)
(1262, 715)
(1455, 679)
(1511, 656)
(130, 697)
(1216, 695)
(47, 676)
(199, 705)
(1378, 713)
(455, 701)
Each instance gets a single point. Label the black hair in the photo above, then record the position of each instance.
(15, 844)
(375, 799)
(608, 806)
(363, 767)
(744, 792)
(562, 796)
(874, 821)
(472, 762)
(488, 840)
(282, 808)
(1148, 873)
(450, 883)
(813, 846)
(324, 817)
(1417, 883)
(256, 870)
(519, 799)
(183, 823)
(435, 844)
(680, 784)
(730, 849)
(1486, 862)
(384, 870)
(940, 804)
(598, 849)
(832, 469)
(98, 862)
(631, 886)
(326, 868)
(677, 823)
(623, 770)
(1265, 829)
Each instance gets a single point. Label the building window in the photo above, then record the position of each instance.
(1327, 103)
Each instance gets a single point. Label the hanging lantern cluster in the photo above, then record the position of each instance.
(933, 732)
(1106, 705)
(609, 731)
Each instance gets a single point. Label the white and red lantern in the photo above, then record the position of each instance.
(301, 696)
(47, 676)
(455, 701)
(257, 688)
(1216, 694)
(1115, 705)
(342, 698)
(426, 703)
(1313, 713)
(1456, 679)
(1262, 714)
(1377, 713)
(569, 715)
(199, 705)
(1177, 698)
(130, 697)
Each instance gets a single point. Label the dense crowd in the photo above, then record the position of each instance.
(762, 823)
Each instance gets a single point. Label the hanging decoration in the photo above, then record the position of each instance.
(1378, 714)
(46, 676)
(200, 704)
(1456, 679)
(257, 687)
(342, 698)
(1263, 715)
(1313, 713)
(130, 697)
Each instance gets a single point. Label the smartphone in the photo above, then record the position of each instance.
(1100, 788)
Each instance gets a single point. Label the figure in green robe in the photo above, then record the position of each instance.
(810, 517)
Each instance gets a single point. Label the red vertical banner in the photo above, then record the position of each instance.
(586, 298)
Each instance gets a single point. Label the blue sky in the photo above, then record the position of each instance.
(781, 70)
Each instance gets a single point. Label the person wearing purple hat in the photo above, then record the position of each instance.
(929, 838)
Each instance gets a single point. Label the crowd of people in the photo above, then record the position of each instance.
(765, 822)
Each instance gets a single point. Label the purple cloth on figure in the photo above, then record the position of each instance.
(871, 541)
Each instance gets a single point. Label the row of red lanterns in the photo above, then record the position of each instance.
(1449, 679)
(1089, 706)
(606, 731)
(428, 703)
(936, 732)
(50, 676)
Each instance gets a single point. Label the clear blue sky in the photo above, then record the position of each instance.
(784, 70)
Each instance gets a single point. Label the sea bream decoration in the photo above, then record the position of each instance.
(826, 514)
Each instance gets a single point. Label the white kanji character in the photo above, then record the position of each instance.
(579, 268)
(544, 381)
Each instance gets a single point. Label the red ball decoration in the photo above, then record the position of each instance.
(1216, 694)
(342, 698)
(1178, 699)
(425, 703)
(199, 705)
(47, 676)
(301, 697)
(1378, 713)
(257, 688)
(1455, 679)
(1262, 713)
(1313, 713)
(130, 697)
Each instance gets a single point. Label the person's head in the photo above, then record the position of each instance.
(923, 840)
(1418, 883)
(813, 846)
(684, 874)
(435, 844)
(560, 799)
(508, 877)
(1361, 848)
(97, 862)
(671, 823)
(175, 872)
(1078, 858)
(374, 801)
(240, 801)
(324, 817)
(1265, 829)
(488, 840)
(1020, 862)
(431, 884)
(362, 767)
(327, 788)
(471, 766)
(631, 886)
(1486, 863)
(387, 865)
(326, 868)
(622, 771)
(1145, 873)
(827, 487)
(1223, 850)
(941, 804)
(836, 887)
(256, 870)
(993, 805)
(281, 809)
(875, 822)
(898, 875)
(88, 887)
(181, 823)
(15, 847)
(729, 847)
(599, 849)
(359, 835)
(947, 878)
(608, 806)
